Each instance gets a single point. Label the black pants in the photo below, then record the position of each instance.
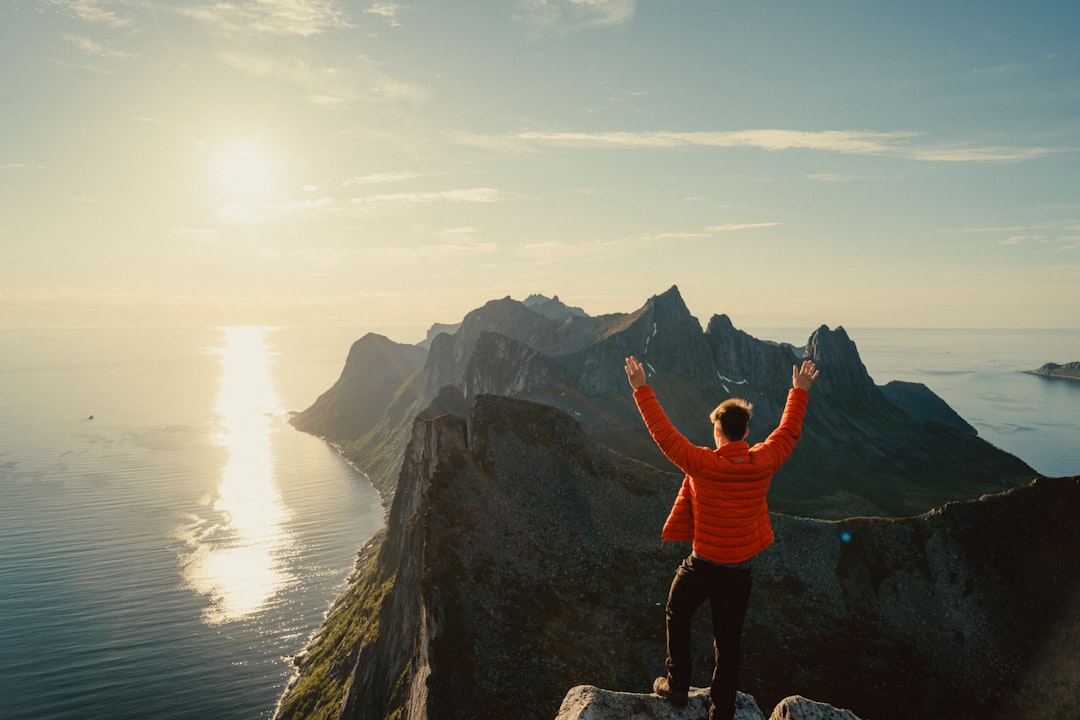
(728, 592)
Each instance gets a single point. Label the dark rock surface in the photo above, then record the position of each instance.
(585, 702)
(865, 450)
(522, 558)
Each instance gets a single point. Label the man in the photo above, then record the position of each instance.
(721, 509)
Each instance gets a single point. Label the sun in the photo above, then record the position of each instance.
(246, 177)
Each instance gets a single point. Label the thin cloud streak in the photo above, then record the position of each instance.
(382, 178)
(387, 11)
(95, 49)
(853, 142)
(708, 232)
(270, 17)
(574, 15)
(736, 227)
(91, 11)
(466, 195)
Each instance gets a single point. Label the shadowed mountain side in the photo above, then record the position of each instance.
(864, 451)
(374, 372)
(923, 405)
(522, 559)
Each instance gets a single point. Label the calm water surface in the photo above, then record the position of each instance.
(164, 558)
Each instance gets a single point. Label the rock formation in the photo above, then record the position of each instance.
(893, 451)
(589, 703)
(522, 558)
(1068, 371)
(586, 702)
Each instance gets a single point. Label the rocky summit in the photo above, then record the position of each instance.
(590, 703)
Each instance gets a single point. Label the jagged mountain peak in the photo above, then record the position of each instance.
(669, 305)
(839, 360)
(553, 332)
(719, 324)
(552, 308)
(576, 365)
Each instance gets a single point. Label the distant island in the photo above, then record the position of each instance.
(1068, 371)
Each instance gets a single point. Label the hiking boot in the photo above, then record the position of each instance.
(662, 687)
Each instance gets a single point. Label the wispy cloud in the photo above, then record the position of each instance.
(976, 153)
(708, 232)
(96, 49)
(737, 227)
(570, 15)
(386, 10)
(460, 235)
(1054, 233)
(269, 17)
(676, 235)
(92, 11)
(326, 86)
(382, 178)
(464, 195)
(855, 142)
(1018, 239)
(1000, 228)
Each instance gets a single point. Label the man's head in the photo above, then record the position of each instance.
(731, 419)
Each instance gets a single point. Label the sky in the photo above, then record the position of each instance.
(390, 165)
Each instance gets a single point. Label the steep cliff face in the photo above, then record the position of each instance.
(866, 452)
(969, 610)
(522, 559)
(371, 656)
(375, 369)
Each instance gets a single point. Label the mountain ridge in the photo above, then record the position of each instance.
(866, 450)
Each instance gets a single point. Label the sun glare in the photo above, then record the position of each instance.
(246, 176)
(233, 550)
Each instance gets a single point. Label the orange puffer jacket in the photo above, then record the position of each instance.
(721, 505)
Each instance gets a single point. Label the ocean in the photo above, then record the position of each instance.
(168, 541)
(164, 558)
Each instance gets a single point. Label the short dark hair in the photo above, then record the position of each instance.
(732, 416)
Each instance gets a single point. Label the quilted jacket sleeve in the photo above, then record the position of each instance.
(781, 441)
(685, 455)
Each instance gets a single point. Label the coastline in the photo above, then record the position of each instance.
(1054, 371)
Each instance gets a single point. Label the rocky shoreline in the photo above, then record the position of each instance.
(1068, 371)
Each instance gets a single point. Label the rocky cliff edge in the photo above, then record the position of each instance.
(522, 559)
(585, 702)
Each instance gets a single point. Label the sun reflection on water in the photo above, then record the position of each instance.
(233, 556)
